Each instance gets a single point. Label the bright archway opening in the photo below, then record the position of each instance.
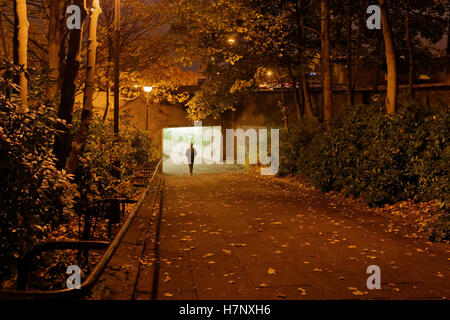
(207, 142)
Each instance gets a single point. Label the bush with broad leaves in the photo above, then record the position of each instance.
(34, 194)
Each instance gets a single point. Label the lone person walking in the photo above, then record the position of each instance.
(191, 153)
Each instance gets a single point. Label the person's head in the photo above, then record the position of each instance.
(192, 144)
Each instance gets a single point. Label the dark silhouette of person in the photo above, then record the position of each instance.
(191, 153)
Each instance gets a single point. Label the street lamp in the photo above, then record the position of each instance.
(147, 90)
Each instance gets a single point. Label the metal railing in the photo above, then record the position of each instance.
(93, 277)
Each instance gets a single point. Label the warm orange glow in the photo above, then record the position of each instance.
(148, 89)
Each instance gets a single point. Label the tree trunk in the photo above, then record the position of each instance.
(21, 27)
(108, 70)
(447, 65)
(361, 27)
(378, 58)
(391, 95)
(410, 53)
(284, 108)
(16, 40)
(308, 104)
(116, 67)
(54, 38)
(62, 56)
(303, 77)
(448, 33)
(350, 93)
(80, 140)
(298, 98)
(105, 114)
(68, 89)
(283, 102)
(2, 37)
(326, 65)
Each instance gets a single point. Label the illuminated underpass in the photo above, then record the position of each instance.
(208, 144)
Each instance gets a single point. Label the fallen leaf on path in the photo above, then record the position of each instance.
(167, 279)
(226, 251)
(302, 291)
(272, 271)
(352, 246)
(237, 245)
(168, 295)
(317, 270)
(208, 255)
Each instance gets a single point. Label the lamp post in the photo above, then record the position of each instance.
(147, 91)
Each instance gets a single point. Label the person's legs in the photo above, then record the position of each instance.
(191, 168)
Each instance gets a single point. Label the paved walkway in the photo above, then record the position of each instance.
(242, 236)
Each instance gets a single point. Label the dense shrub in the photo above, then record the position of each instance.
(107, 166)
(296, 144)
(36, 197)
(381, 158)
(440, 229)
(33, 192)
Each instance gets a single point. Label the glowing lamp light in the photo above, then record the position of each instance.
(148, 89)
(231, 41)
(269, 73)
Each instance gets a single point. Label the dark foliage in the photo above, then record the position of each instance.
(380, 158)
(33, 193)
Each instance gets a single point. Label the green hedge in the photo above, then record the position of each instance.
(368, 154)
